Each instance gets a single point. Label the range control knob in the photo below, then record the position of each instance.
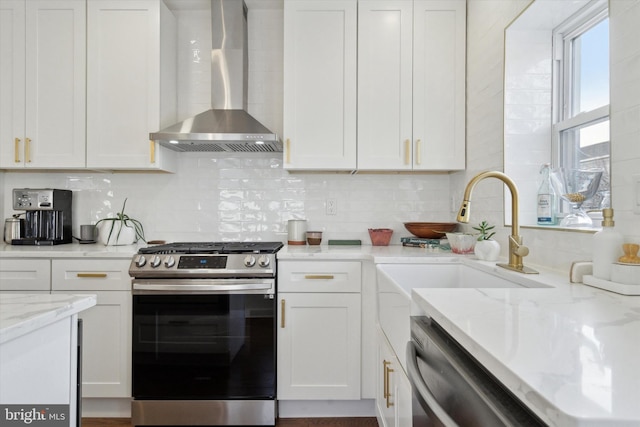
(141, 261)
(249, 261)
(263, 261)
(156, 261)
(169, 262)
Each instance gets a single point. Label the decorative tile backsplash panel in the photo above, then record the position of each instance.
(248, 197)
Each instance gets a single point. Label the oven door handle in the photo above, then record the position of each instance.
(424, 395)
(218, 286)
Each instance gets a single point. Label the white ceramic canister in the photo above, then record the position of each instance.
(297, 232)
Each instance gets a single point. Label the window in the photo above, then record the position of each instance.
(581, 97)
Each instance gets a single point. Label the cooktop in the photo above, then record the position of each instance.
(214, 248)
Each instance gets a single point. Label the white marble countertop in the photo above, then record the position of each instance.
(571, 352)
(69, 250)
(24, 313)
(378, 254)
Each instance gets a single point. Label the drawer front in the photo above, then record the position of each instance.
(90, 275)
(25, 274)
(319, 276)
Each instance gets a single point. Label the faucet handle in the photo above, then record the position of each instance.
(521, 251)
(516, 246)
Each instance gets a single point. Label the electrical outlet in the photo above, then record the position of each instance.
(331, 207)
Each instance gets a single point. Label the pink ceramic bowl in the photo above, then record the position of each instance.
(380, 236)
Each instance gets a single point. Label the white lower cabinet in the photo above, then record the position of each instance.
(393, 397)
(319, 319)
(25, 275)
(106, 360)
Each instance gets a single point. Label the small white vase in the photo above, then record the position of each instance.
(120, 235)
(487, 250)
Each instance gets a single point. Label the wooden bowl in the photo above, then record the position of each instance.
(430, 230)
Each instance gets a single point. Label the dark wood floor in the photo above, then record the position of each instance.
(283, 422)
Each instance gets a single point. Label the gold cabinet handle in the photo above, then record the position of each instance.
(27, 149)
(407, 152)
(91, 275)
(385, 379)
(319, 276)
(282, 313)
(152, 151)
(288, 151)
(387, 393)
(16, 150)
(418, 152)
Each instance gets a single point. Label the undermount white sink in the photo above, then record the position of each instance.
(395, 282)
(455, 275)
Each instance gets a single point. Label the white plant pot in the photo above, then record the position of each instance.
(119, 237)
(487, 250)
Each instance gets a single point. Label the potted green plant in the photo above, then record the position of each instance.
(120, 230)
(486, 248)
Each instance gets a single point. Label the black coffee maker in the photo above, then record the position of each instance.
(47, 218)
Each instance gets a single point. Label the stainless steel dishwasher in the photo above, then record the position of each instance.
(450, 388)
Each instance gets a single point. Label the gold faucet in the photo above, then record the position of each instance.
(516, 250)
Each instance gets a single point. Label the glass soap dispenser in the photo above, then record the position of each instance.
(607, 246)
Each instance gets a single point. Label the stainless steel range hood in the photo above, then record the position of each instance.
(227, 126)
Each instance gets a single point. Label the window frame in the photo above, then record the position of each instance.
(564, 85)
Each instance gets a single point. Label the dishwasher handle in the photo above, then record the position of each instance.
(427, 400)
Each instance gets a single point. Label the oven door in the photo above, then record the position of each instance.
(213, 342)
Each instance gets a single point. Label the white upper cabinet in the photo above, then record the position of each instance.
(411, 84)
(42, 82)
(131, 88)
(320, 48)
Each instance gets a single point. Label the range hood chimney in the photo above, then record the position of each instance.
(227, 126)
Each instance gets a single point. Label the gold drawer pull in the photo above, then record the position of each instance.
(92, 275)
(407, 152)
(387, 392)
(27, 149)
(16, 150)
(152, 151)
(282, 314)
(419, 152)
(318, 276)
(288, 151)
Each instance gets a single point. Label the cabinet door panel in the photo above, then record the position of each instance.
(131, 64)
(106, 360)
(319, 346)
(122, 42)
(25, 275)
(12, 81)
(55, 90)
(320, 84)
(313, 276)
(385, 84)
(88, 275)
(439, 84)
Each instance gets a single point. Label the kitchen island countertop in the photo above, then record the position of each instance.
(21, 314)
(571, 352)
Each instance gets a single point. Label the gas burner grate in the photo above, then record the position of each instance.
(213, 248)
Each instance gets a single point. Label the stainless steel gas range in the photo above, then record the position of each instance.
(204, 342)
